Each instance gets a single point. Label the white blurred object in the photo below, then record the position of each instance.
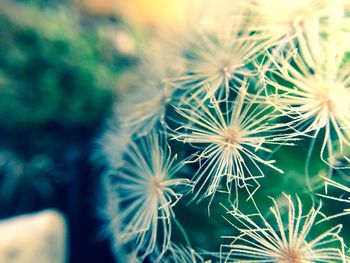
(124, 42)
(35, 238)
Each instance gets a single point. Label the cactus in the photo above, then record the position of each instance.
(224, 116)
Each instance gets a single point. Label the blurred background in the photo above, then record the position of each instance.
(61, 63)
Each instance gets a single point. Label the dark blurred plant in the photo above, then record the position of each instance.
(26, 183)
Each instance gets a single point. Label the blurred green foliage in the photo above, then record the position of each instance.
(57, 72)
(51, 70)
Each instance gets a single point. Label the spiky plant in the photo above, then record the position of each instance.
(283, 238)
(147, 192)
(231, 135)
(229, 97)
(315, 93)
(283, 19)
(214, 59)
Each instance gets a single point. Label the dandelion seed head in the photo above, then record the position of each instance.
(231, 135)
(333, 98)
(284, 237)
(216, 48)
(214, 61)
(144, 187)
(141, 116)
(283, 18)
(318, 97)
(219, 68)
(325, 99)
(151, 87)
